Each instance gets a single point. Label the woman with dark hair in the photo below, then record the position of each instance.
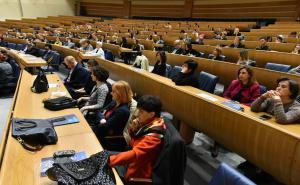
(281, 102)
(216, 55)
(237, 43)
(160, 65)
(190, 51)
(187, 76)
(146, 139)
(244, 89)
(99, 93)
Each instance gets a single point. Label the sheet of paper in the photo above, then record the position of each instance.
(208, 97)
(52, 85)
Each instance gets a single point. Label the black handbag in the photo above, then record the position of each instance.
(60, 103)
(33, 134)
(91, 171)
(40, 83)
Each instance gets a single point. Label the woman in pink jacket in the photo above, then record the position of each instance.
(244, 89)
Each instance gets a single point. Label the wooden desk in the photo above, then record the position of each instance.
(224, 70)
(261, 57)
(25, 60)
(273, 147)
(20, 166)
(85, 56)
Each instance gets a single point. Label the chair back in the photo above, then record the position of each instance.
(278, 67)
(174, 71)
(226, 175)
(207, 82)
(170, 165)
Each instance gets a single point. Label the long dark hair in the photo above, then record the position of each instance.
(251, 79)
(163, 56)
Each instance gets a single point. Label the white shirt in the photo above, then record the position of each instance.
(97, 52)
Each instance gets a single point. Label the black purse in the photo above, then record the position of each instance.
(40, 83)
(60, 103)
(91, 171)
(33, 134)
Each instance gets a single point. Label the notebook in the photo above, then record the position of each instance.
(233, 105)
(64, 120)
(47, 162)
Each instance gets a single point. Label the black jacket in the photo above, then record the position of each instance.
(78, 77)
(89, 85)
(238, 46)
(116, 122)
(159, 69)
(33, 51)
(186, 79)
(169, 167)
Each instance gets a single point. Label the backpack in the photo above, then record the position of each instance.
(60, 103)
(40, 84)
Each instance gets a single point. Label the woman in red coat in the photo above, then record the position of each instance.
(146, 132)
(245, 89)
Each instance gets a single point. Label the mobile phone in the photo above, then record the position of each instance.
(64, 153)
(265, 117)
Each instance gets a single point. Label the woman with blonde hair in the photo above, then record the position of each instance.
(115, 116)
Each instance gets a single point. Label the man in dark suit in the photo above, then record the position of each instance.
(32, 50)
(77, 76)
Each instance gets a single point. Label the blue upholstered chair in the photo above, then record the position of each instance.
(11, 45)
(174, 71)
(226, 175)
(207, 82)
(278, 67)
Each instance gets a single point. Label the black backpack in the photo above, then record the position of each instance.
(60, 103)
(40, 84)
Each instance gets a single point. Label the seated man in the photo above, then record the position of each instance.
(48, 54)
(77, 76)
(69, 43)
(32, 50)
(6, 70)
(281, 102)
(146, 132)
(237, 43)
(263, 45)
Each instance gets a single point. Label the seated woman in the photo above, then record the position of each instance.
(160, 65)
(245, 89)
(244, 59)
(187, 74)
(237, 43)
(58, 42)
(116, 114)
(147, 132)
(190, 51)
(141, 61)
(281, 102)
(216, 55)
(297, 49)
(98, 95)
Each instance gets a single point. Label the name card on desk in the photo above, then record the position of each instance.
(208, 97)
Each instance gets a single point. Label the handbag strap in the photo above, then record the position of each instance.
(23, 127)
(29, 147)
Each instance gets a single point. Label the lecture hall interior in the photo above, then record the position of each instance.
(149, 92)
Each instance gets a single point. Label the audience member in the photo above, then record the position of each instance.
(244, 89)
(77, 76)
(263, 44)
(244, 58)
(187, 75)
(141, 61)
(281, 102)
(160, 65)
(237, 43)
(98, 51)
(98, 95)
(147, 132)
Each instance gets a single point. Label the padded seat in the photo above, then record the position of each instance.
(11, 45)
(278, 67)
